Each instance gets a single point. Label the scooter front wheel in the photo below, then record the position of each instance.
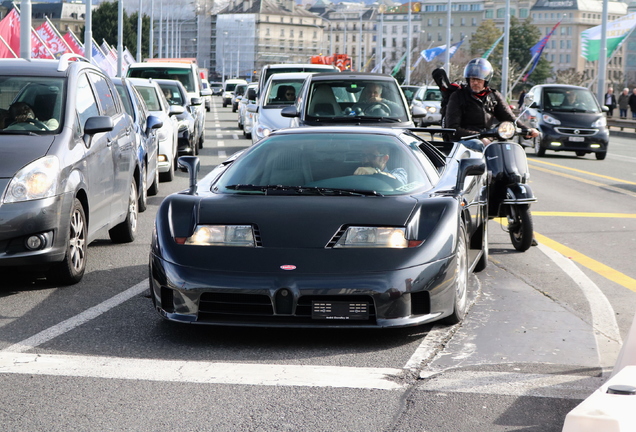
(520, 226)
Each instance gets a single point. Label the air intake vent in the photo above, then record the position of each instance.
(336, 237)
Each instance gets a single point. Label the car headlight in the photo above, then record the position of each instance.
(37, 180)
(601, 122)
(373, 237)
(220, 235)
(431, 109)
(550, 120)
(263, 131)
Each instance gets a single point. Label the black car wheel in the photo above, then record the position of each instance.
(234, 108)
(202, 139)
(520, 227)
(483, 260)
(154, 187)
(143, 192)
(460, 303)
(169, 175)
(601, 155)
(125, 231)
(71, 269)
(538, 150)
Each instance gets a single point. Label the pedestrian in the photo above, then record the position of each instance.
(610, 101)
(522, 96)
(632, 103)
(623, 103)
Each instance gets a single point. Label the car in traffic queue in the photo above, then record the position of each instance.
(147, 141)
(274, 97)
(323, 227)
(190, 125)
(340, 99)
(217, 88)
(239, 91)
(428, 98)
(409, 91)
(70, 169)
(207, 99)
(168, 132)
(228, 90)
(569, 119)
(245, 118)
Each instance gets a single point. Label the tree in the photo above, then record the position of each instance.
(105, 27)
(570, 76)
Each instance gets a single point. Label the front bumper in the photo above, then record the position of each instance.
(49, 218)
(398, 298)
(565, 139)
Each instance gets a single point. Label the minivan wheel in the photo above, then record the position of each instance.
(71, 270)
(143, 195)
(125, 231)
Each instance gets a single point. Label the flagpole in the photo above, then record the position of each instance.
(8, 47)
(524, 71)
(58, 34)
(25, 26)
(602, 61)
(506, 53)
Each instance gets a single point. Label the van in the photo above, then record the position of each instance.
(228, 90)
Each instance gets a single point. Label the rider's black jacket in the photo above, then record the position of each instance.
(469, 113)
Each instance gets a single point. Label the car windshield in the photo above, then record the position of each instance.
(326, 163)
(346, 100)
(282, 92)
(150, 97)
(570, 100)
(172, 93)
(31, 104)
(180, 74)
(433, 95)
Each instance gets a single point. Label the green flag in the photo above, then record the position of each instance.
(397, 67)
(617, 31)
(492, 48)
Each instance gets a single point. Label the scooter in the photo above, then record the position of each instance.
(509, 194)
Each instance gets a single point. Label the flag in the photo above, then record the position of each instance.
(52, 39)
(74, 43)
(431, 53)
(10, 33)
(128, 57)
(397, 67)
(537, 50)
(617, 31)
(98, 58)
(38, 49)
(492, 48)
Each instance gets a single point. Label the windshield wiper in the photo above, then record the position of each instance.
(301, 190)
(348, 119)
(18, 132)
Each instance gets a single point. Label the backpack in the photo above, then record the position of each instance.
(446, 88)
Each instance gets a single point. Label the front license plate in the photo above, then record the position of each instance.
(339, 310)
(577, 139)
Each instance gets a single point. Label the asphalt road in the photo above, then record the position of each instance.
(543, 332)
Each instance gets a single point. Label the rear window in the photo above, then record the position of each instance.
(293, 69)
(183, 75)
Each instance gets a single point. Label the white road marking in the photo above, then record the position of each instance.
(219, 136)
(606, 331)
(429, 346)
(222, 154)
(220, 143)
(513, 384)
(77, 320)
(200, 372)
(235, 136)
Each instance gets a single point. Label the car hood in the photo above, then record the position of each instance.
(576, 120)
(17, 151)
(271, 118)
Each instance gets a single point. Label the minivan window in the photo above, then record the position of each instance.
(85, 102)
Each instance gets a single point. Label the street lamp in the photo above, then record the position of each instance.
(238, 48)
(330, 35)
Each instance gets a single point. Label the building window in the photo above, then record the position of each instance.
(394, 43)
(474, 22)
(291, 33)
(267, 31)
(489, 14)
(440, 22)
(300, 33)
(403, 42)
(462, 22)
(282, 32)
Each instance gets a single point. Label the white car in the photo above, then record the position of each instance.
(429, 98)
(273, 100)
(168, 134)
(205, 85)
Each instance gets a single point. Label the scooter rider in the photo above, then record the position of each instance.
(476, 107)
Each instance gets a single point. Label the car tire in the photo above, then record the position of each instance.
(169, 175)
(71, 270)
(224, 104)
(538, 150)
(143, 194)
(202, 139)
(125, 231)
(240, 125)
(600, 155)
(521, 230)
(483, 260)
(247, 135)
(154, 187)
(234, 108)
(460, 295)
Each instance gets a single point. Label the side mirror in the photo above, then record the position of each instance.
(605, 108)
(290, 112)
(418, 111)
(176, 110)
(469, 167)
(192, 165)
(96, 124)
(153, 122)
(528, 100)
(254, 108)
(196, 101)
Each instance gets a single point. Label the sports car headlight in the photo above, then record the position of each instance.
(35, 181)
(373, 237)
(602, 122)
(221, 235)
(550, 120)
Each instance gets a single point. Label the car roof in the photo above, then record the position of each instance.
(144, 82)
(41, 67)
(561, 86)
(291, 75)
(349, 76)
(288, 65)
(175, 65)
(355, 129)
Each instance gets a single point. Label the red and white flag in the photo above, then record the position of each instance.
(73, 42)
(10, 34)
(38, 49)
(52, 39)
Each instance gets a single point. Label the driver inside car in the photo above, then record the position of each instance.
(24, 119)
(372, 103)
(375, 160)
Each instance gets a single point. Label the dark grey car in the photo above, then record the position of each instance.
(69, 169)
